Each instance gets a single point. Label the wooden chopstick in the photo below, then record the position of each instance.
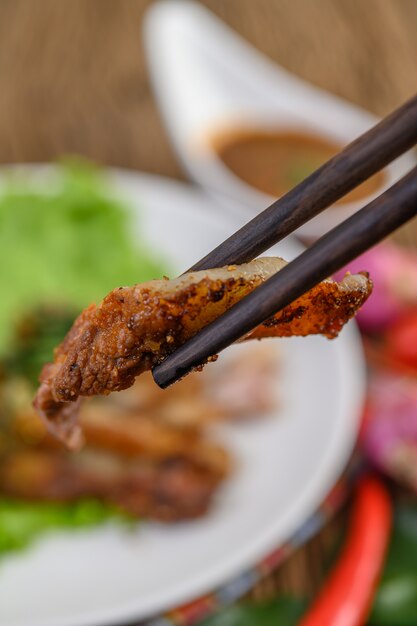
(330, 253)
(365, 156)
(358, 161)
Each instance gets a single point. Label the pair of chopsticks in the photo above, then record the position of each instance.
(362, 158)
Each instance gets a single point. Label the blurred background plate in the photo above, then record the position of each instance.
(285, 464)
(212, 86)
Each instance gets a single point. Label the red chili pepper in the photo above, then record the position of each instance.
(346, 597)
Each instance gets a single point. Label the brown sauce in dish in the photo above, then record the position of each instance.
(274, 162)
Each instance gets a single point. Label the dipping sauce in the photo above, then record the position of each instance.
(274, 162)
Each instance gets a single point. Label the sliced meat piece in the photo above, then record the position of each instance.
(135, 327)
(172, 490)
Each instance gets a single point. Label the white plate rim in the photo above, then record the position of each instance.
(354, 376)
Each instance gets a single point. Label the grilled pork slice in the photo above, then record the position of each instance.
(143, 436)
(135, 327)
(169, 490)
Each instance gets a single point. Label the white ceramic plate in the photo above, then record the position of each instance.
(208, 79)
(286, 464)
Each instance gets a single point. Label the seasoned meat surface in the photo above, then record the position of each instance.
(169, 490)
(135, 327)
(137, 454)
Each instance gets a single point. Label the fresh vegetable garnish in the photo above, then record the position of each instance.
(67, 242)
(36, 334)
(62, 244)
(395, 602)
(23, 522)
(283, 611)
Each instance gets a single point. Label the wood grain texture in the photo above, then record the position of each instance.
(73, 75)
(73, 79)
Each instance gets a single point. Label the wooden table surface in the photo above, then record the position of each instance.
(73, 79)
